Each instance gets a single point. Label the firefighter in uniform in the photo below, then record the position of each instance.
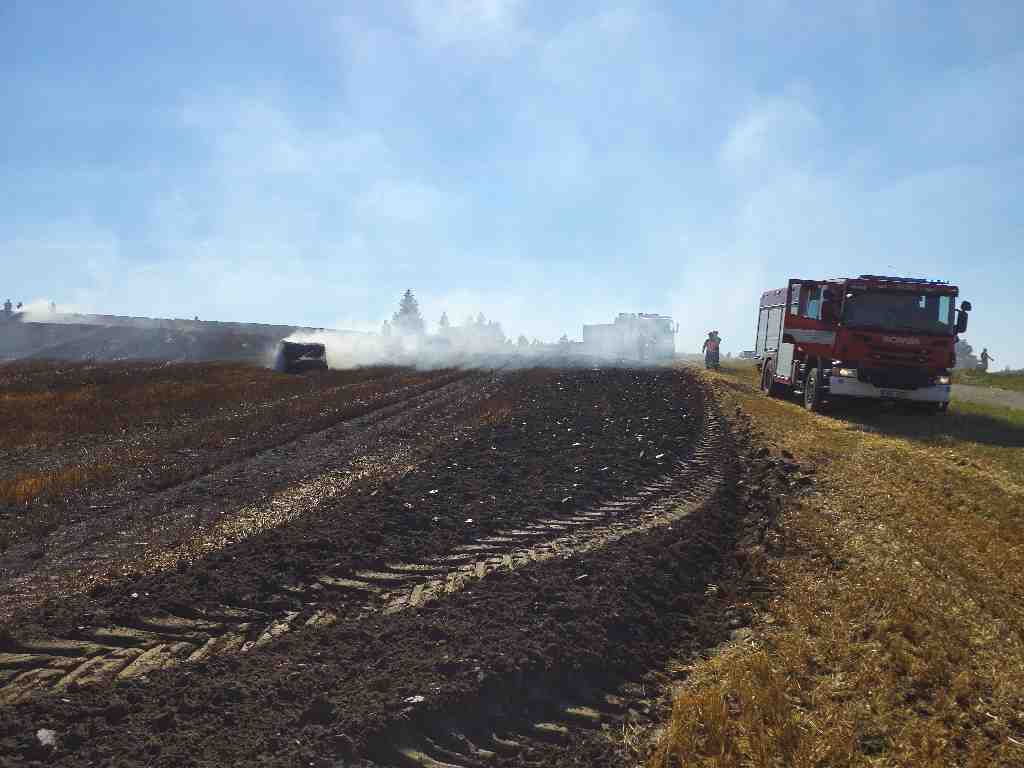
(710, 350)
(985, 357)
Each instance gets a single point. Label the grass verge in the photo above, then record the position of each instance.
(1000, 379)
(895, 631)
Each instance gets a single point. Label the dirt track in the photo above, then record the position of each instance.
(526, 545)
(1004, 398)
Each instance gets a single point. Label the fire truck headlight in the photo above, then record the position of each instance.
(846, 373)
(942, 379)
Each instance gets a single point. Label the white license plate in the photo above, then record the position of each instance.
(892, 393)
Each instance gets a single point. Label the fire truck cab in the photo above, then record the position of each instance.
(885, 338)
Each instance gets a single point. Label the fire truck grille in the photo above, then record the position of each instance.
(898, 356)
(895, 378)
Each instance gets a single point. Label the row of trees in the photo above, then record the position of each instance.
(408, 321)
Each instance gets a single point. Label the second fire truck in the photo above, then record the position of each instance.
(886, 338)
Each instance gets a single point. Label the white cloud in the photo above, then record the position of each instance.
(967, 112)
(592, 44)
(402, 202)
(306, 192)
(254, 137)
(286, 223)
(776, 137)
(622, 66)
(492, 23)
(75, 253)
(782, 206)
(282, 224)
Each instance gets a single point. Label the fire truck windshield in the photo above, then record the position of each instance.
(899, 311)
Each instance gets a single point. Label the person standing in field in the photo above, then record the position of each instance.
(710, 350)
(985, 357)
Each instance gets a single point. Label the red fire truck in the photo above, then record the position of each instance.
(889, 338)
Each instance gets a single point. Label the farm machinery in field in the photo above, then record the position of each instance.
(297, 357)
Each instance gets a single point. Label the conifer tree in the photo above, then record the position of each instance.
(408, 321)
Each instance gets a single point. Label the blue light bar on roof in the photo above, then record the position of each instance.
(917, 280)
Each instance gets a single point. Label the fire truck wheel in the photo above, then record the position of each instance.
(767, 372)
(812, 391)
(768, 384)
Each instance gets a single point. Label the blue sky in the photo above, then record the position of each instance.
(547, 163)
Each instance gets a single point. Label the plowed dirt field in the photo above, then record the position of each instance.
(460, 568)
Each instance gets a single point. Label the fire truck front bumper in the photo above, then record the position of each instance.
(847, 387)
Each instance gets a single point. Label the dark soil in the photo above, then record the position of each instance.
(550, 441)
(141, 530)
(501, 650)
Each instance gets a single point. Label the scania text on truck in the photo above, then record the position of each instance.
(886, 338)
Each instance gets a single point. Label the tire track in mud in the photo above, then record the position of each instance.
(608, 705)
(619, 717)
(348, 461)
(527, 721)
(94, 656)
(303, 473)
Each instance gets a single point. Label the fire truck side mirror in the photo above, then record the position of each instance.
(965, 306)
(961, 321)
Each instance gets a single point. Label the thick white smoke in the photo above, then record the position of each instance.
(43, 311)
(462, 347)
(352, 349)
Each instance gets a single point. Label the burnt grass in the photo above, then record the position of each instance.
(143, 430)
(339, 693)
(54, 406)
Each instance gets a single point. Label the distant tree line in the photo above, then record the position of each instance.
(473, 331)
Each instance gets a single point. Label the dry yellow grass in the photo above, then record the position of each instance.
(45, 404)
(30, 486)
(896, 634)
(75, 429)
